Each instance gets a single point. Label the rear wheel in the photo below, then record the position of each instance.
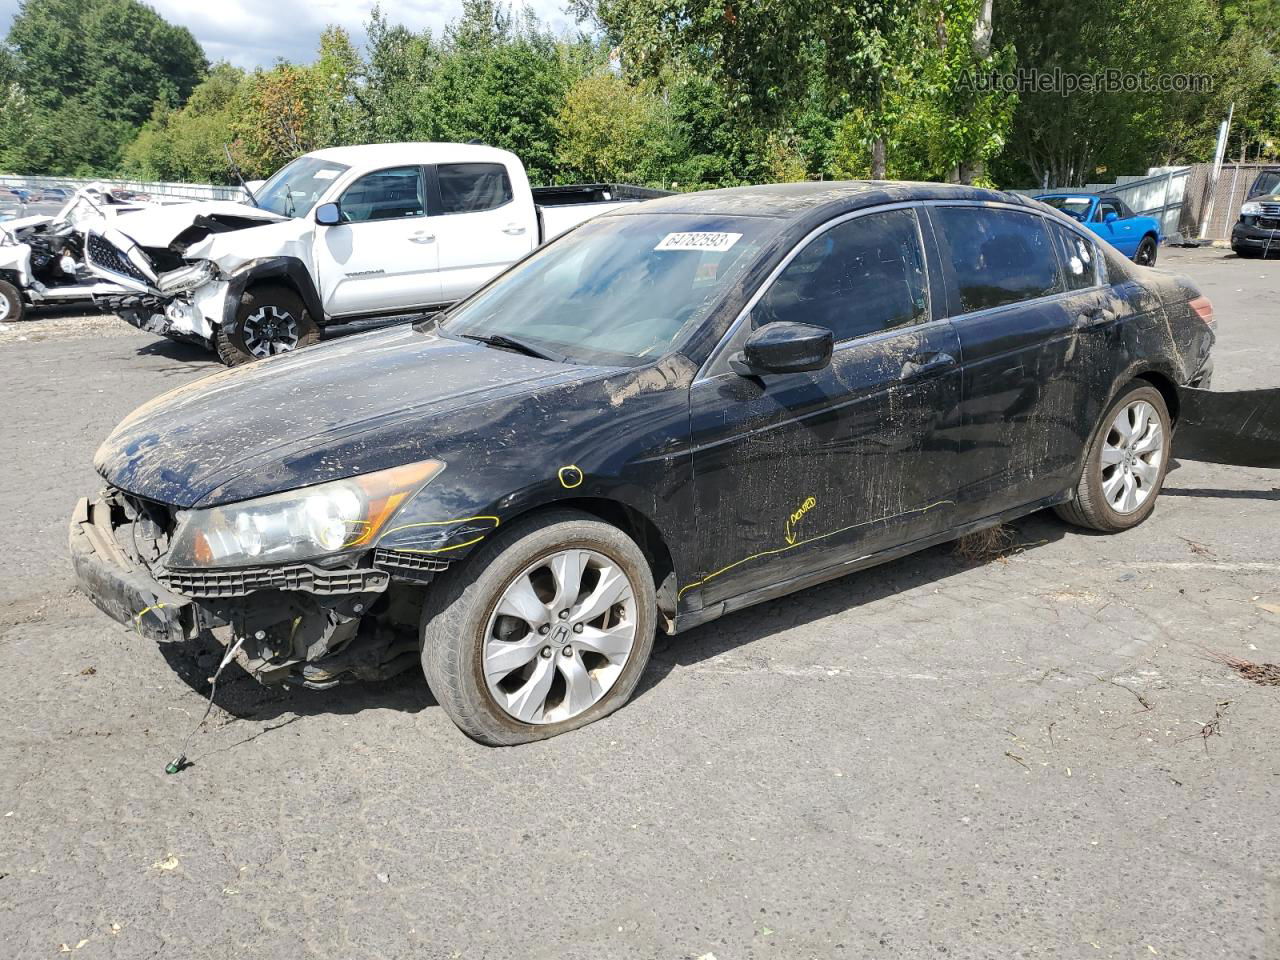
(11, 306)
(1247, 253)
(1125, 465)
(1146, 253)
(545, 629)
(270, 320)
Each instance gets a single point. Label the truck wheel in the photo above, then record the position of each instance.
(271, 320)
(11, 306)
(1146, 253)
(1125, 465)
(542, 630)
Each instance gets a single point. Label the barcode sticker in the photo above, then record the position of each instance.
(716, 242)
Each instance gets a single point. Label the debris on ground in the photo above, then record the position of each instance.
(168, 863)
(993, 543)
(1266, 674)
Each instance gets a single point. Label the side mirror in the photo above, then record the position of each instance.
(328, 215)
(784, 348)
(1110, 217)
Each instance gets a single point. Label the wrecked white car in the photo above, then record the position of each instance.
(42, 257)
(348, 233)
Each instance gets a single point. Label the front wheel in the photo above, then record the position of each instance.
(270, 320)
(1125, 465)
(1146, 254)
(11, 306)
(545, 629)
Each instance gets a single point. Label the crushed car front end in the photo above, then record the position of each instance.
(307, 622)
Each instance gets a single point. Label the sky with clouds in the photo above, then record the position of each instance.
(252, 33)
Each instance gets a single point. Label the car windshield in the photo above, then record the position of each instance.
(1267, 182)
(1075, 207)
(296, 187)
(619, 290)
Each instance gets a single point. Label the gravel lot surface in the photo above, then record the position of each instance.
(1030, 757)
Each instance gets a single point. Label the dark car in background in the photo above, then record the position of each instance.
(1257, 232)
(678, 410)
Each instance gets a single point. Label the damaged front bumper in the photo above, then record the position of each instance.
(122, 589)
(185, 303)
(299, 623)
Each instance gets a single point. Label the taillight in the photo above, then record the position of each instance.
(1203, 309)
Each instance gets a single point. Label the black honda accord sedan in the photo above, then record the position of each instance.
(682, 408)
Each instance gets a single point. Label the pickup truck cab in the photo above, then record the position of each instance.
(337, 235)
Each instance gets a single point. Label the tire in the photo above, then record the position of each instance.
(1099, 503)
(12, 309)
(1147, 252)
(461, 625)
(269, 321)
(1247, 253)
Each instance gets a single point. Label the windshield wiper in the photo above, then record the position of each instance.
(503, 342)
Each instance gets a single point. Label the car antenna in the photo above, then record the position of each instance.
(180, 762)
(235, 168)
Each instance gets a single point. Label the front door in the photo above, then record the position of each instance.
(795, 473)
(383, 256)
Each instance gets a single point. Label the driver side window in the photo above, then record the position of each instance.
(1105, 207)
(861, 277)
(391, 194)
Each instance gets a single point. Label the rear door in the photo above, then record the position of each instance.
(1026, 404)
(383, 255)
(480, 224)
(801, 472)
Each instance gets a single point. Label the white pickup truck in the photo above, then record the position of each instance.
(342, 234)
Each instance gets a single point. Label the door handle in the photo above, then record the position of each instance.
(423, 238)
(919, 364)
(513, 229)
(1094, 318)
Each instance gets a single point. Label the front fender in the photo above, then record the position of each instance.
(289, 270)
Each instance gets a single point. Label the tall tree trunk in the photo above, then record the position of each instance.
(975, 168)
(877, 158)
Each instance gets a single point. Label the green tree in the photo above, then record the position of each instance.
(767, 56)
(190, 144)
(91, 71)
(612, 131)
(496, 78)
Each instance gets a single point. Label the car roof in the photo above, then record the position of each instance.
(794, 201)
(376, 154)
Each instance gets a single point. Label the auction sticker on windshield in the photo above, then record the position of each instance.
(718, 242)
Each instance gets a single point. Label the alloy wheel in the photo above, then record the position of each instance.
(559, 636)
(1132, 456)
(5, 306)
(270, 330)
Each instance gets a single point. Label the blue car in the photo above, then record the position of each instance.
(1138, 238)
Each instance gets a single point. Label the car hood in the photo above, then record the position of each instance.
(365, 403)
(1265, 198)
(158, 227)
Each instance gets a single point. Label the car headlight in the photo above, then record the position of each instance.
(303, 524)
(187, 278)
(1251, 209)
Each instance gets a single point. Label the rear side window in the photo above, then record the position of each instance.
(858, 278)
(1077, 259)
(385, 195)
(998, 256)
(473, 187)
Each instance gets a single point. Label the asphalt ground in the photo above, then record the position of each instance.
(1033, 756)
